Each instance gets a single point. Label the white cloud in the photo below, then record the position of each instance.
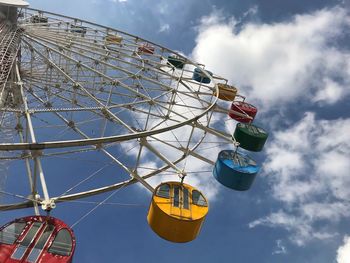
(164, 28)
(163, 8)
(307, 166)
(301, 230)
(119, 1)
(320, 211)
(280, 248)
(279, 65)
(343, 253)
(330, 93)
(281, 62)
(318, 148)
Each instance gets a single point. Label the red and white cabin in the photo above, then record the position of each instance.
(35, 239)
(242, 111)
(146, 49)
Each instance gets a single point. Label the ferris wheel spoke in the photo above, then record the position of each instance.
(97, 49)
(133, 173)
(122, 184)
(101, 148)
(159, 106)
(97, 191)
(18, 196)
(186, 151)
(55, 94)
(31, 177)
(196, 94)
(43, 103)
(89, 94)
(86, 67)
(112, 187)
(146, 144)
(68, 124)
(63, 98)
(183, 105)
(81, 133)
(120, 68)
(109, 105)
(83, 181)
(214, 132)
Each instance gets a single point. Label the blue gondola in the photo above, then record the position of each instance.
(198, 75)
(235, 170)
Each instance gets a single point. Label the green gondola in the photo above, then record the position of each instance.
(250, 137)
(177, 62)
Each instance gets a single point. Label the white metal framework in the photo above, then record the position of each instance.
(69, 87)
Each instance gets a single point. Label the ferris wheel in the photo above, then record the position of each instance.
(74, 89)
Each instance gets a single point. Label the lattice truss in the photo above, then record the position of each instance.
(67, 89)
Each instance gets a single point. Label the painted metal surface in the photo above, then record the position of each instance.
(226, 92)
(172, 217)
(113, 39)
(36, 19)
(200, 76)
(235, 170)
(38, 37)
(242, 111)
(250, 137)
(34, 239)
(146, 49)
(78, 29)
(177, 62)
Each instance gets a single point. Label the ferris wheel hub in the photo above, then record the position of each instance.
(48, 205)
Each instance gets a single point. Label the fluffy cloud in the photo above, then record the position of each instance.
(319, 147)
(343, 253)
(280, 248)
(119, 1)
(307, 167)
(301, 229)
(275, 65)
(278, 63)
(164, 28)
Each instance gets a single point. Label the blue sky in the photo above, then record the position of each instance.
(291, 59)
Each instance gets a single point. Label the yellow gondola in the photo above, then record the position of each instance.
(177, 211)
(113, 39)
(226, 92)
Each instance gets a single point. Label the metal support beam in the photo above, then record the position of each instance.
(145, 143)
(47, 204)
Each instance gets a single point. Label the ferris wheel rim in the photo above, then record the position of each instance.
(97, 191)
(94, 141)
(41, 145)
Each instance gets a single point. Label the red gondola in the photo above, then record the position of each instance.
(146, 48)
(242, 111)
(35, 239)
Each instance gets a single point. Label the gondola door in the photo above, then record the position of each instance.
(180, 203)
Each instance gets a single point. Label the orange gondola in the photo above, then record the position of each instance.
(226, 92)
